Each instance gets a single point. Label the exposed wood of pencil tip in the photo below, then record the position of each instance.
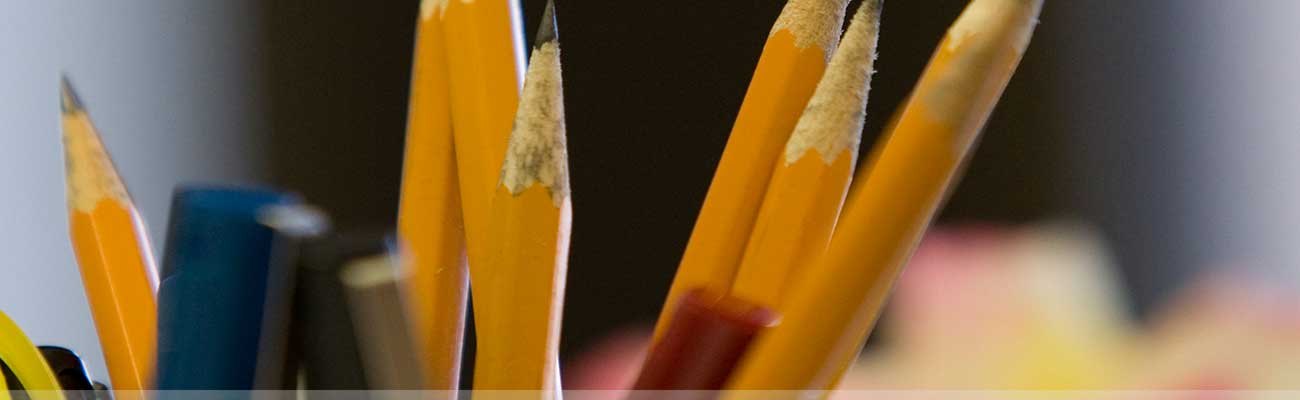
(536, 153)
(977, 42)
(812, 23)
(91, 176)
(834, 118)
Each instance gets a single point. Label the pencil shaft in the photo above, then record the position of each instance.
(519, 292)
(429, 218)
(485, 71)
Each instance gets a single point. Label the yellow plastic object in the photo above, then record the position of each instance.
(26, 362)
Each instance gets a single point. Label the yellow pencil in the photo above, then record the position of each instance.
(829, 315)
(484, 67)
(113, 251)
(794, 57)
(429, 216)
(808, 186)
(519, 294)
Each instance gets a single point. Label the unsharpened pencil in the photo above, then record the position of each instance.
(112, 249)
(799, 46)
(829, 316)
(519, 293)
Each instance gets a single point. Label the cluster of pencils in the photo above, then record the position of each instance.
(786, 271)
(789, 265)
(256, 290)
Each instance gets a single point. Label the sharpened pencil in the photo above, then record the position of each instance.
(519, 293)
(809, 183)
(829, 316)
(800, 44)
(112, 249)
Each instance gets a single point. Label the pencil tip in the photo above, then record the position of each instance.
(70, 102)
(546, 31)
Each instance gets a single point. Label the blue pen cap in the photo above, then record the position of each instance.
(213, 287)
(211, 223)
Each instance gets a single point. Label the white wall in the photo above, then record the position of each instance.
(1250, 68)
(172, 85)
(1182, 124)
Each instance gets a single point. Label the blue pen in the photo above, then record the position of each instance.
(213, 286)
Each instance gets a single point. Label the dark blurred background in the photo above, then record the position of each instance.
(651, 91)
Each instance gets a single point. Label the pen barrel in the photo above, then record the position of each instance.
(332, 358)
(214, 282)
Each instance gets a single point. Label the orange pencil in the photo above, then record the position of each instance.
(808, 186)
(828, 315)
(112, 249)
(519, 293)
(485, 68)
(429, 215)
(793, 59)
